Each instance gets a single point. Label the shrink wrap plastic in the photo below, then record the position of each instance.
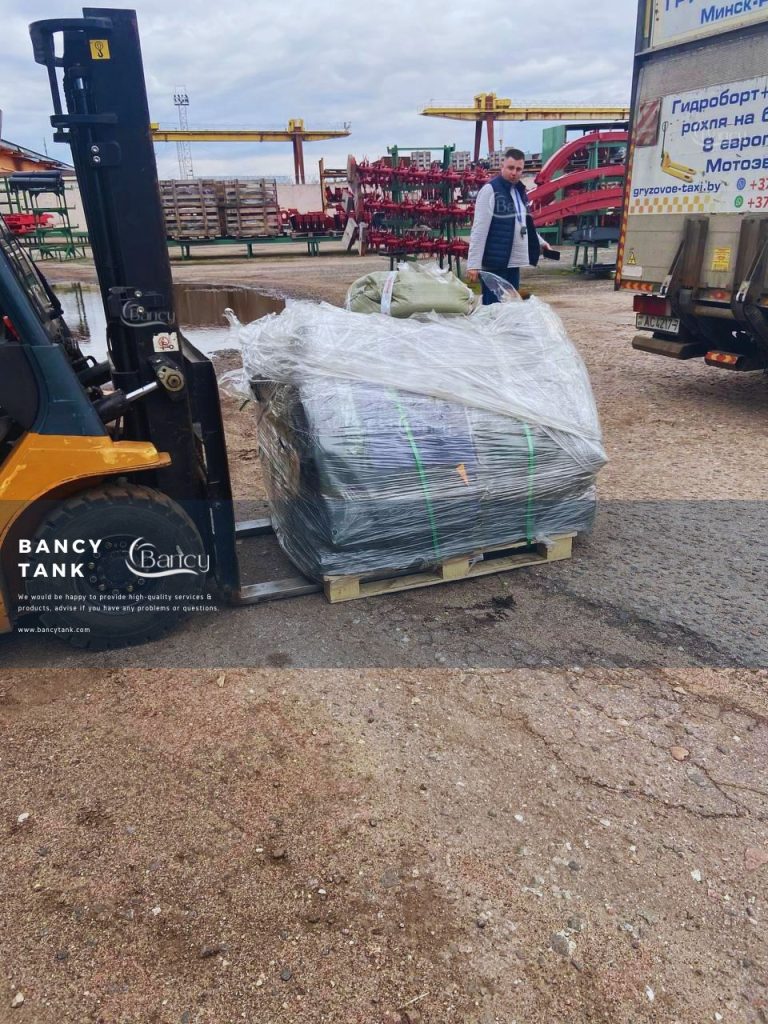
(391, 444)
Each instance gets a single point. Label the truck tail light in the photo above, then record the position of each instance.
(652, 305)
(10, 328)
(730, 360)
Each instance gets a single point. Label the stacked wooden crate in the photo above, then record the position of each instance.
(191, 209)
(250, 208)
(232, 208)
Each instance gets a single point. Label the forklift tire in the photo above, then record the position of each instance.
(113, 606)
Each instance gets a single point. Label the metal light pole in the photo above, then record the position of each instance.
(183, 148)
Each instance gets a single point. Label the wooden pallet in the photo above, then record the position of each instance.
(242, 224)
(466, 567)
(191, 209)
(249, 208)
(209, 208)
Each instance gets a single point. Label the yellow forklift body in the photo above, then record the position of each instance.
(41, 464)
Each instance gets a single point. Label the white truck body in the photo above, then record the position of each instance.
(694, 238)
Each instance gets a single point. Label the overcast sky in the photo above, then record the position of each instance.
(257, 63)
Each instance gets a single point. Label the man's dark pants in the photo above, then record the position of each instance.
(511, 274)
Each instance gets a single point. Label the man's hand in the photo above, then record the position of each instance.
(472, 276)
(545, 246)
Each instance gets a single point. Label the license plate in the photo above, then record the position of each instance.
(668, 324)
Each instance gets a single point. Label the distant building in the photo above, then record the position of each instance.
(460, 160)
(532, 160)
(421, 158)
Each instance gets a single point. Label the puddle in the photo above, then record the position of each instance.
(199, 308)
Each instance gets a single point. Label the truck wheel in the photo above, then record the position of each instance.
(116, 565)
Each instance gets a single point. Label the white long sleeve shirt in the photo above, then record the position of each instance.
(485, 205)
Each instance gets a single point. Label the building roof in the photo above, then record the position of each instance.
(31, 154)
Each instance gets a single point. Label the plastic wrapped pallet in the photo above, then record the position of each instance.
(391, 445)
(412, 288)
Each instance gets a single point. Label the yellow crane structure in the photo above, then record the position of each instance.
(295, 133)
(489, 108)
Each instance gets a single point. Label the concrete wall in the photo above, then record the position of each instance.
(304, 198)
(76, 215)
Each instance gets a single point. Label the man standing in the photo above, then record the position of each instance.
(503, 237)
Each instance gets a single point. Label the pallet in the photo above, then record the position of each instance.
(465, 567)
(241, 224)
(249, 208)
(212, 209)
(191, 209)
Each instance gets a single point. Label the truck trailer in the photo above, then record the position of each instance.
(694, 234)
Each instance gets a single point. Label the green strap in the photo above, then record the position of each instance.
(531, 478)
(420, 470)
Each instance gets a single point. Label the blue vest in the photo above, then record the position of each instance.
(501, 233)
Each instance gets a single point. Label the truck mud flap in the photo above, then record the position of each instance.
(669, 347)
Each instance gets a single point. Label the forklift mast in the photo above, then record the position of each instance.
(104, 117)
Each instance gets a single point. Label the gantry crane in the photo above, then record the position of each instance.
(295, 133)
(488, 108)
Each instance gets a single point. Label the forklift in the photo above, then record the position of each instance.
(116, 511)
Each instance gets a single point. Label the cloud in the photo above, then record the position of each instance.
(259, 64)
